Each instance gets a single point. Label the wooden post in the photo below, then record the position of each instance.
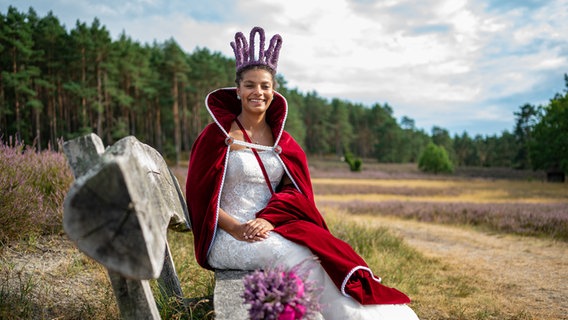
(118, 211)
(134, 297)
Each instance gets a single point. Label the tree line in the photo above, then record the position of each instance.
(59, 84)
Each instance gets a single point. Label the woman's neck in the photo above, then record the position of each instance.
(252, 123)
(256, 128)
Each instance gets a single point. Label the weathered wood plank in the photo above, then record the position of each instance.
(83, 153)
(119, 211)
(111, 223)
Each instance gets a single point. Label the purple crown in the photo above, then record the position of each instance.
(245, 55)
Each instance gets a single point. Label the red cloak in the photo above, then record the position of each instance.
(292, 210)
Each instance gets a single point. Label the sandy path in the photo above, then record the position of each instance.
(532, 272)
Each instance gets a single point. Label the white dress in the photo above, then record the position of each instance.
(244, 193)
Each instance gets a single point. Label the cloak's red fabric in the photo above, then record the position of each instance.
(296, 218)
(292, 210)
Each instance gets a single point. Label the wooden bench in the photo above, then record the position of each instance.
(118, 212)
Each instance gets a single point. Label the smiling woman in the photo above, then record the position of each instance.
(251, 201)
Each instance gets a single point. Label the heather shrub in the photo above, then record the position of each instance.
(529, 219)
(32, 188)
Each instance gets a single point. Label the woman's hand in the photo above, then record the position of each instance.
(250, 231)
(257, 229)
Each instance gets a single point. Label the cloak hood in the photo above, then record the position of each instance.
(209, 156)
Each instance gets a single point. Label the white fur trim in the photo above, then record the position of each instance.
(351, 273)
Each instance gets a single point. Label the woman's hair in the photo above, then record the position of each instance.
(239, 75)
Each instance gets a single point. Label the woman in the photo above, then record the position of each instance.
(250, 196)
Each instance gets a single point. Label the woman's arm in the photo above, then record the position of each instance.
(286, 180)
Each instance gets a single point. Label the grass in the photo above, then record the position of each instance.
(43, 276)
(446, 190)
(512, 206)
(437, 290)
(52, 280)
(197, 283)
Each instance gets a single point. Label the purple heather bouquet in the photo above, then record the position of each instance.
(281, 295)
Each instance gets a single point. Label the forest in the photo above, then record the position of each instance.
(57, 84)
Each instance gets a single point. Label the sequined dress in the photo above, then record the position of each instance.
(244, 193)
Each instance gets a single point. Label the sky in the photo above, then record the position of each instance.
(462, 65)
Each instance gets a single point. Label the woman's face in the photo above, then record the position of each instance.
(256, 91)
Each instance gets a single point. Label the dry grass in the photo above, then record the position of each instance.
(197, 283)
(439, 289)
(447, 190)
(523, 274)
(64, 284)
(456, 286)
(46, 277)
(513, 206)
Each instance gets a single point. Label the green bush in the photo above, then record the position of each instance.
(435, 159)
(353, 162)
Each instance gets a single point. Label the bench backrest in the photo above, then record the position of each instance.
(118, 211)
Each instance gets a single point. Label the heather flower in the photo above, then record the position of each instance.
(33, 185)
(281, 295)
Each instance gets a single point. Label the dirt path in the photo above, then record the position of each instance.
(532, 272)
